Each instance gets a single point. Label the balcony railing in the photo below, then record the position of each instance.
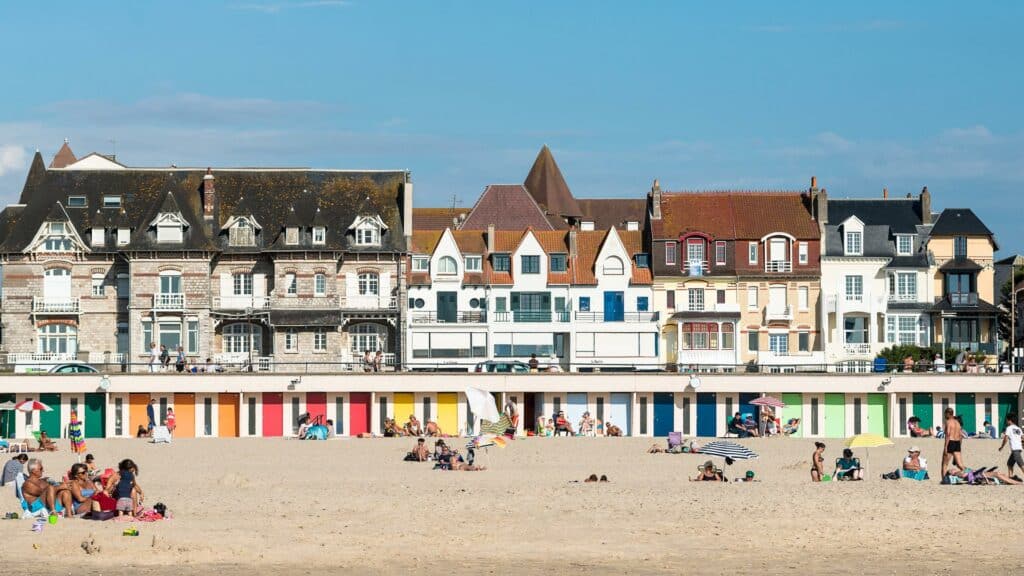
(169, 301)
(903, 297)
(241, 302)
(778, 266)
(784, 313)
(370, 302)
(70, 305)
(626, 317)
(857, 349)
(963, 299)
(470, 317)
(531, 316)
(695, 267)
(40, 357)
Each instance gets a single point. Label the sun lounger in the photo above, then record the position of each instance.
(674, 439)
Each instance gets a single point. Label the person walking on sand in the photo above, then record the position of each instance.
(1012, 434)
(952, 446)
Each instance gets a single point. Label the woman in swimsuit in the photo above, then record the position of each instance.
(818, 462)
(82, 489)
(708, 474)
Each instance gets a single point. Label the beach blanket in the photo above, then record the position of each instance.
(498, 428)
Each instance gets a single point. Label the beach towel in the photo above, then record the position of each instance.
(498, 428)
(161, 434)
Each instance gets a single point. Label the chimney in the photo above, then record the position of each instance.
(656, 201)
(885, 193)
(926, 206)
(821, 201)
(814, 184)
(407, 206)
(572, 244)
(209, 194)
(490, 238)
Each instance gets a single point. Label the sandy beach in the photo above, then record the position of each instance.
(353, 507)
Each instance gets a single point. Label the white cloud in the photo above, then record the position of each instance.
(13, 158)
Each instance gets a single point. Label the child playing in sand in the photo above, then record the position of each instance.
(123, 486)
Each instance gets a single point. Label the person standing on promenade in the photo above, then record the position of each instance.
(1012, 434)
(154, 356)
(954, 438)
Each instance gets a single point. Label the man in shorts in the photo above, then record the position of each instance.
(1012, 434)
(952, 446)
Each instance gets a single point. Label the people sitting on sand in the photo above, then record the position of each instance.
(980, 476)
(768, 423)
(740, 427)
(458, 464)
(12, 468)
(419, 452)
(748, 477)
(440, 448)
(433, 430)
(586, 427)
(818, 462)
(562, 424)
(988, 431)
(914, 427)
(124, 487)
(303, 432)
(612, 430)
(848, 467)
(914, 466)
(45, 443)
(549, 427)
(391, 429)
(413, 426)
(81, 488)
(38, 494)
(708, 473)
(141, 432)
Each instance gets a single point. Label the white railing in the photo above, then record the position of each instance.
(778, 266)
(70, 305)
(857, 349)
(782, 313)
(99, 358)
(44, 357)
(903, 297)
(241, 302)
(370, 302)
(695, 267)
(171, 301)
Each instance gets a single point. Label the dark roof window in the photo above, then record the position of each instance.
(77, 202)
(111, 201)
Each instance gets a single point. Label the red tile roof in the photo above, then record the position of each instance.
(434, 218)
(64, 157)
(731, 215)
(507, 207)
(547, 186)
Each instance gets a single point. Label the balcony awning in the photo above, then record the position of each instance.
(696, 315)
(305, 317)
(982, 309)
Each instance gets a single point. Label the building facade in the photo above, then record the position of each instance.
(275, 269)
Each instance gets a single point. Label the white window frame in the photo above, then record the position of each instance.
(474, 263)
(291, 340)
(98, 289)
(854, 244)
(446, 265)
(369, 284)
(752, 297)
(319, 284)
(99, 236)
(613, 266)
(854, 288)
(421, 264)
(721, 253)
(586, 225)
(670, 253)
(291, 285)
(319, 235)
(241, 284)
(83, 202)
(695, 299)
(778, 344)
(111, 201)
(803, 297)
(123, 236)
(242, 233)
(291, 236)
(900, 239)
(320, 340)
(751, 252)
(169, 234)
(802, 253)
(367, 234)
(900, 284)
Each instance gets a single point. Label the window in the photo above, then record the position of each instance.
(367, 234)
(854, 288)
(122, 236)
(57, 339)
(903, 286)
(502, 262)
(369, 284)
(97, 285)
(904, 244)
(319, 284)
(122, 285)
(241, 338)
(76, 202)
(643, 261)
(752, 341)
(719, 253)
(642, 303)
(420, 264)
(802, 297)
(720, 296)
(99, 236)
(695, 299)
(670, 298)
(613, 266)
(587, 225)
(367, 336)
(193, 336)
(727, 336)
(241, 233)
(779, 344)
(291, 285)
(632, 225)
(170, 282)
(584, 303)
(751, 297)
(57, 239)
(855, 330)
(447, 265)
(530, 264)
(291, 235)
(500, 304)
(473, 263)
(170, 335)
(169, 233)
(558, 262)
(320, 340)
(291, 340)
(670, 252)
(854, 245)
(319, 235)
(804, 341)
(960, 247)
(802, 253)
(111, 201)
(906, 330)
(694, 252)
(241, 284)
(752, 252)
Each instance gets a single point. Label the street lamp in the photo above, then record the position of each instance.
(1013, 327)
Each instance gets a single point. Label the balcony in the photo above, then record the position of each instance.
(781, 314)
(370, 302)
(861, 349)
(241, 302)
(531, 316)
(169, 301)
(626, 317)
(903, 297)
(470, 317)
(778, 266)
(69, 305)
(695, 268)
(963, 299)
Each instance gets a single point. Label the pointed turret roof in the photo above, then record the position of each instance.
(548, 187)
(57, 214)
(64, 157)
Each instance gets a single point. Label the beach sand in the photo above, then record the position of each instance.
(351, 506)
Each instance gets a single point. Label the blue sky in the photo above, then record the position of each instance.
(745, 95)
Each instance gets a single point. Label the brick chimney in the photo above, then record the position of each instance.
(926, 206)
(209, 194)
(572, 245)
(490, 238)
(655, 201)
(885, 193)
(819, 202)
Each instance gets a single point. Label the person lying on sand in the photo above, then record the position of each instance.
(656, 449)
(989, 476)
(708, 473)
(749, 477)
(433, 430)
(457, 464)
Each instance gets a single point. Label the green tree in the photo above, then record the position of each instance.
(1005, 295)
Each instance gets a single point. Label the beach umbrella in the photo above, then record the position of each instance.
(76, 436)
(771, 401)
(487, 440)
(482, 405)
(867, 441)
(7, 405)
(726, 449)
(32, 406)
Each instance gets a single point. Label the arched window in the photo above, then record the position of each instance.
(367, 336)
(447, 265)
(242, 337)
(58, 339)
(613, 266)
(369, 284)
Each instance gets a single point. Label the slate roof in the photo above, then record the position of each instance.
(901, 216)
(64, 157)
(547, 186)
(305, 317)
(507, 207)
(961, 264)
(608, 212)
(735, 215)
(271, 195)
(959, 222)
(982, 309)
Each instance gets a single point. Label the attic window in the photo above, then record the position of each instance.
(319, 235)
(242, 234)
(122, 236)
(291, 235)
(367, 234)
(587, 225)
(420, 264)
(57, 239)
(111, 201)
(643, 261)
(632, 226)
(169, 228)
(98, 236)
(613, 266)
(76, 202)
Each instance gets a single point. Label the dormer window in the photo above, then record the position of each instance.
(170, 228)
(319, 235)
(587, 225)
(854, 243)
(57, 238)
(558, 262)
(473, 263)
(98, 236)
(242, 233)
(291, 235)
(501, 262)
(904, 244)
(123, 235)
(368, 230)
(111, 201)
(420, 264)
(643, 260)
(632, 226)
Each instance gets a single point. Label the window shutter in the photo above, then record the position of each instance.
(545, 301)
(259, 285)
(384, 289)
(351, 286)
(515, 301)
(226, 287)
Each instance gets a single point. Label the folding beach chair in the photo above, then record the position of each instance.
(674, 439)
(161, 435)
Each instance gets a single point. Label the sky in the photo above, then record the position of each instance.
(700, 95)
